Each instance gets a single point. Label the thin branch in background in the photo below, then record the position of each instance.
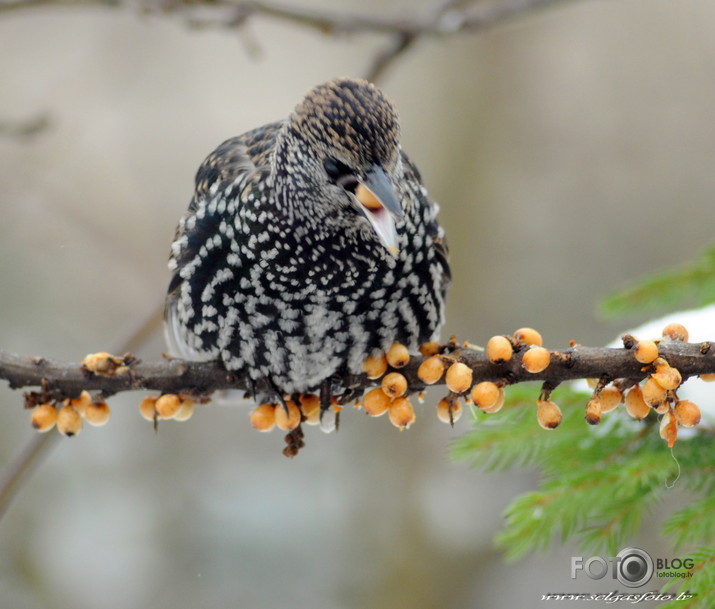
(27, 127)
(404, 28)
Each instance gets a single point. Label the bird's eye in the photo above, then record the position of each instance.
(341, 174)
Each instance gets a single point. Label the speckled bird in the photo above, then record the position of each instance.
(309, 244)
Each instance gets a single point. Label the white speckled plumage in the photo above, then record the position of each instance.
(277, 270)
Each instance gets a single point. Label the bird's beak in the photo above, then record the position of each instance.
(380, 206)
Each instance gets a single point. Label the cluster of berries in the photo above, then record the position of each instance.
(68, 414)
(659, 390)
(169, 406)
(656, 393)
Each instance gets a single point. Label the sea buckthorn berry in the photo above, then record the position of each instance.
(147, 407)
(676, 332)
(168, 405)
(43, 417)
(398, 356)
(104, 364)
(431, 370)
(263, 417)
(687, 413)
(376, 402)
(314, 417)
(81, 402)
(666, 376)
(287, 420)
(499, 349)
(401, 413)
(488, 396)
(394, 384)
(645, 351)
(635, 406)
(459, 377)
(548, 414)
(186, 410)
(449, 411)
(309, 403)
(708, 378)
(536, 359)
(592, 383)
(97, 414)
(653, 394)
(69, 421)
(610, 397)
(375, 366)
(529, 336)
(669, 429)
(429, 349)
(593, 411)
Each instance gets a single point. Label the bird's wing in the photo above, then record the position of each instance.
(194, 249)
(440, 247)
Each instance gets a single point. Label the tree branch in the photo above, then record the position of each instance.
(446, 19)
(177, 376)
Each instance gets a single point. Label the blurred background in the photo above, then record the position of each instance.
(571, 151)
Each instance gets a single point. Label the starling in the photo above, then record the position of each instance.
(309, 244)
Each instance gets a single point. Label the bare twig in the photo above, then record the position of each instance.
(446, 19)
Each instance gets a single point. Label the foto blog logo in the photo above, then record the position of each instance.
(632, 567)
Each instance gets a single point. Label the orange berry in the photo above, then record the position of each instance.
(147, 407)
(97, 414)
(430, 349)
(186, 410)
(708, 378)
(488, 396)
(669, 429)
(263, 417)
(401, 413)
(309, 403)
(548, 414)
(376, 402)
(80, 403)
(635, 406)
(287, 420)
(168, 405)
(104, 364)
(431, 370)
(610, 397)
(43, 417)
(667, 376)
(593, 411)
(314, 417)
(529, 336)
(653, 394)
(375, 366)
(645, 351)
(394, 384)
(449, 411)
(69, 421)
(398, 356)
(499, 349)
(686, 413)
(536, 359)
(676, 332)
(459, 377)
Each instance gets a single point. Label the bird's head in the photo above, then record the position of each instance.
(340, 157)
